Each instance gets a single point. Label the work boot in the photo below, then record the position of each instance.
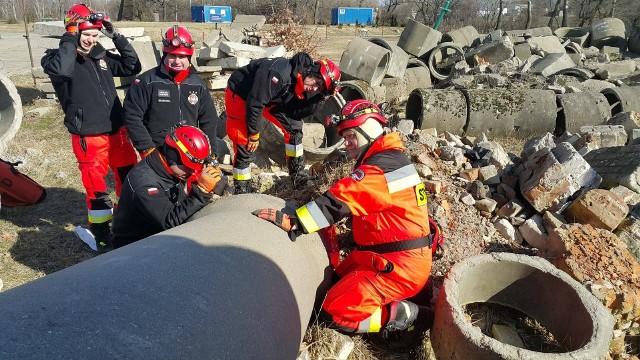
(242, 187)
(406, 330)
(297, 173)
(102, 234)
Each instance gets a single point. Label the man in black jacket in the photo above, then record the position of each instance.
(282, 90)
(168, 96)
(82, 72)
(158, 193)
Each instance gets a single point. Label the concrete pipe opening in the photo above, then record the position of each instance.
(578, 35)
(358, 89)
(623, 99)
(444, 110)
(465, 36)
(398, 58)
(10, 111)
(527, 284)
(365, 61)
(581, 109)
(443, 58)
(609, 32)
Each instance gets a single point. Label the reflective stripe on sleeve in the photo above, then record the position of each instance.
(311, 218)
(100, 216)
(242, 174)
(371, 324)
(294, 150)
(403, 178)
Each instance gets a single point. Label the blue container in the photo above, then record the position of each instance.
(211, 14)
(351, 15)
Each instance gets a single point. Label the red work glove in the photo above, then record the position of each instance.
(254, 141)
(208, 179)
(284, 221)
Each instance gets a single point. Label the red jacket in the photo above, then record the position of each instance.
(384, 194)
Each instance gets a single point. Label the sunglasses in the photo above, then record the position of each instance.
(176, 40)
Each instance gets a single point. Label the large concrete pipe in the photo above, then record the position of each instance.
(227, 285)
(10, 111)
(465, 36)
(358, 89)
(609, 32)
(513, 112)
(444, 110)
(398, 58)
(623, 99)
(365, 60)
(398, 90)
(443, 58)
(580, 109)
(530, 285)
(634, 40)
(418, 39)
(578, 35)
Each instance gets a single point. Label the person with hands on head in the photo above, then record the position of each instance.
(386, 200)
(168, 96)
(284, 91)
(159, 193)
(82, 73)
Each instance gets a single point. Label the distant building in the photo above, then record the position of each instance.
(352, 15)
(211, 14)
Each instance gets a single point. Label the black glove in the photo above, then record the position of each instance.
(107, 28)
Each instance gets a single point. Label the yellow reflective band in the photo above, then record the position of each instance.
(100, 216)
(294, 150)
(306, 220)
(181, 146)
(373, 323)
(421, 194)
(327, 70)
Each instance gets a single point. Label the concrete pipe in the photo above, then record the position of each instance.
(528, 284)
(418, 39)
(224, 286)
(444, 110)
(358, 89)
(513, 112)
(634, 40)
(578, 35)
(332, 106)
(581, 109)
(464, 36)
(416, 62)
(10, 111)
(609, 32)
(443, 58)
(365, 60)
(623, 99)
(398, 58)
(315, 142)
(398, 90)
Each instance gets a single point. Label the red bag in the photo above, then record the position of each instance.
(17, 189)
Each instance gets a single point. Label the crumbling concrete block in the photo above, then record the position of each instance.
(478, 190)
(506, 191)
(504, 228)
(486, 205)
(217, 81)
(536, 143)
(493, 52)
(248, 23)
(615, 69)
(511, 209)
(599, 136)
(629, 120)
(551, 176)
(242, 50)
(210, 53)
(629, 232)
(229, 63)
(229, 34)
(552, 63)
(132, 32)
(598, 207)
(533, 232)
(617, 166)
(629, 196)
(489, 175)
(544, 45)
(552, 220)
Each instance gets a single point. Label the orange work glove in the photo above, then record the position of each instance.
(145, 153)
(254, 141)
(208, 179)
(284, 221)
(72, 24)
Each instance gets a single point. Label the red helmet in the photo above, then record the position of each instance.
(192, 145)
(330, 73)
(356, 112)
(177, 40)
(92, 20)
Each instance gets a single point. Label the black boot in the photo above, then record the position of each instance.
(242, 187)
(407, 328)
(297, 174)
(103, 236)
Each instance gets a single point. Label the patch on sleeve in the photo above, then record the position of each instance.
(274, 80)
(152, 191)
(136, 81)
(357, 175)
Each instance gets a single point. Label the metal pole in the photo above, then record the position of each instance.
(444, 10)
(26, 31)
(565, 13)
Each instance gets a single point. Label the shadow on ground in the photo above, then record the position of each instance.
(46, 241)
(29, 94)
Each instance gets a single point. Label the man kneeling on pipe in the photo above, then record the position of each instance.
(388, 203)
(158, 193)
